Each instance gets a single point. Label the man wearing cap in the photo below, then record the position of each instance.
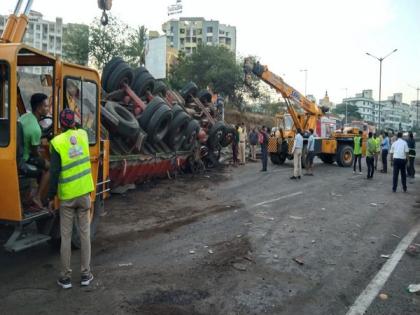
(71, 180)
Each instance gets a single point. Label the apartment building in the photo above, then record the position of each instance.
(41, 34)
(186, 34)
(394, 113)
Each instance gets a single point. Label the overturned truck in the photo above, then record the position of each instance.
(155, 131)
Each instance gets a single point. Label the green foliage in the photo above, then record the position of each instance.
(76, 43)
(352, 111)
(215, 67)
(135, 49)
(108, 41)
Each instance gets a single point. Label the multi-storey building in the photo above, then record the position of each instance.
(394, 113)
(41, 34)
(366, 105)
(415, 113)
(186, 34)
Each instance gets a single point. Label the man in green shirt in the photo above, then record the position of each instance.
(370, 153)
(32, 140)
(358, 152)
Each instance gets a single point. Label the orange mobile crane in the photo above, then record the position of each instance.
(18, 63)
(337, 148)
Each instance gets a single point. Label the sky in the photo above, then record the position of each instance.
(329, 38)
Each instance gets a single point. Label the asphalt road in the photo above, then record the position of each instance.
(235, 241)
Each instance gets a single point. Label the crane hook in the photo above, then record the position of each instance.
(104, 18)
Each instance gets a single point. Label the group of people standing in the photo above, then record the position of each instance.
(402, 152)
(256, 136)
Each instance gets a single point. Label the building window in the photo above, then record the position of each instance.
(209, 39)
(182, 30)
(182, 40)
(188, 40)
(38, 27)
(199, 41)
(199, 31)
(209, 29)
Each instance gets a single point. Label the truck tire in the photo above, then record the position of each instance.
(345, 155)
(127, 123)
(327, 158)
(143, 83)
(159, 123)
(98, 208)
(177, 109)
(189, 89)
(216, 134)
(204, 96)
(176, 135)
(160, 89)
(151, 108)
(228, 136)
(120, 75)
(191, 135)
(108, 70)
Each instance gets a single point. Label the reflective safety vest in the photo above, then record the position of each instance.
(357, 146)
(75, 176)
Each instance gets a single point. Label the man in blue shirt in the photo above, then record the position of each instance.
(385, 150)
(311, 154)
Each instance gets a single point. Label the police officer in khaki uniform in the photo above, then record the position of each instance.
(71, 179)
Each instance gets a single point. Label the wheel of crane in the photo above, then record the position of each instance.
(177, 109)
(228, 136)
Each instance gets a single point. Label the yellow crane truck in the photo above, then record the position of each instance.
(23, 71)
(336, 148)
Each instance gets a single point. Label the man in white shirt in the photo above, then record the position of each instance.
(297, 155)
(399, 152)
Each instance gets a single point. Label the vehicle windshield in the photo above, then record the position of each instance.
(4, 104)
(288, 122)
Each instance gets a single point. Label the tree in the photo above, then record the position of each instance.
(135, 49)
(106, 42)
(215, 67)
(352, 111)
(76, 43)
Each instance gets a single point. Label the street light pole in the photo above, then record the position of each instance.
(380, 82)
(345, 103)
(306, 78)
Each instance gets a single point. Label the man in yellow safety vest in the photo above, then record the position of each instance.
(71, 179)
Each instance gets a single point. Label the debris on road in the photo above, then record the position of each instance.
(412, 251)
(323, 209)
(299, 261)
(239, 266)
(313, 241)
(383, 296)
(413, 288)
(239, 236)
(192, 252)
(372, 204)
(396, 236)
(295, 217)
(125, 264)
(248, 257)
(211, 251)
(276, 256)
(385, 256)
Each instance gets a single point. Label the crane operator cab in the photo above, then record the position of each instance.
(34, 88)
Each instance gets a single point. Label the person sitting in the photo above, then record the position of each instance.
(31, 131)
